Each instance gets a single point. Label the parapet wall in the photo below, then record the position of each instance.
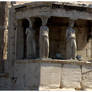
(48, 75)
(44, 75)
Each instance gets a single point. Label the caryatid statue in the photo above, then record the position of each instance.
(71, 47)
(44, 39)
(30, 41)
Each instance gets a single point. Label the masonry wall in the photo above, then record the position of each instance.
(31, 75)
(48, 75)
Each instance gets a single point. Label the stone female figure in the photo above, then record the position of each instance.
(44, 42)
(30, 42)
(71, 46)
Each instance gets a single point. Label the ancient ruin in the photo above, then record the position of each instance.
(49, 47)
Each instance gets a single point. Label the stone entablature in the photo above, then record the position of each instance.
(53, 9)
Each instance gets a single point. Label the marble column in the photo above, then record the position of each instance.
(71, 47)
(44, 39)
(30, 40)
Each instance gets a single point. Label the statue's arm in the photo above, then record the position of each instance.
(26, 31)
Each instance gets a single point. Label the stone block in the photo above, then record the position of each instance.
(71, 76)
(28, 76)
(19, 74)
(32, 76)
(50, 75)
(5, 84)
(87, 76)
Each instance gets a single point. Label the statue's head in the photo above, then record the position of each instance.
(71, 23)
(30, 23)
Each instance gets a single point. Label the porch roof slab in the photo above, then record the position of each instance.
(59, 9)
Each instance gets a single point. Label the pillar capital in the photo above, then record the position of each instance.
(44, 20)
(31, 21)
(71, 22)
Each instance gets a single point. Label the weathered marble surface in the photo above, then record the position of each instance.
(71, 76)
(87, 76)
(29, 75)
(50, 75)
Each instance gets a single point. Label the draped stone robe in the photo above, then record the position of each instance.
(30, 42)
(71, 46)
(44, 42)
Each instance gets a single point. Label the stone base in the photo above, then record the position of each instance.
(48, 74)
(71, 76)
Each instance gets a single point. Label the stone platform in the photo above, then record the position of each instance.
(50, 74)
(53, 74)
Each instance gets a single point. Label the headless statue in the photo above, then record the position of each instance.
(71, 46)
(30, 42)
(44, 41)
